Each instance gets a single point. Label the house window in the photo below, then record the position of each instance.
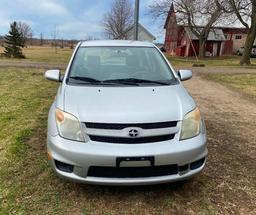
(238, 37)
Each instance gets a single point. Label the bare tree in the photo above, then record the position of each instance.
(88, 38)
(245, 11)
(41, 39)
(62, 44)
(31, 38)
(198, 15)
(117, 21)
(25, 30)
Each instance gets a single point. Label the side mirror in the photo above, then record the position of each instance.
(53, 75)
(184, 74)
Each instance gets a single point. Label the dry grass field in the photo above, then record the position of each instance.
(226, 97)
(43, 54)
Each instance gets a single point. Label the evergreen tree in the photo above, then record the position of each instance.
(14, 42)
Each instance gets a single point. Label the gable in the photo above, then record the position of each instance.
(143, 30)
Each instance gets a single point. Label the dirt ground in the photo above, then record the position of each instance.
(31, 64)
(231, 125)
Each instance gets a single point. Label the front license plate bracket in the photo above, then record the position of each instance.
(143, 159)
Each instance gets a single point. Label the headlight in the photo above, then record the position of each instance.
(69, 127)
(191, 125)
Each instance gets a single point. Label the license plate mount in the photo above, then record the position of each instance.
(135, 161)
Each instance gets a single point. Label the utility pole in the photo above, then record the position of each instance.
(55, 38)
(136, 19)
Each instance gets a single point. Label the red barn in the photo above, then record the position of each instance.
(180, 41)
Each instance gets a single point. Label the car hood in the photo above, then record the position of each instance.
(127, 104)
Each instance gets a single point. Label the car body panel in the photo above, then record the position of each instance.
(84, 155)
(116, 43)
(122, 104)
(240, 51)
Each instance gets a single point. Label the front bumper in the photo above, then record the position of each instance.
(84, 155)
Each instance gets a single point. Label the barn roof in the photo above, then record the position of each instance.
(169, 15)
(215, 34)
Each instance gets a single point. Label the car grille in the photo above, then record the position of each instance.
(132, 140)
(119, 133)
(139, 125)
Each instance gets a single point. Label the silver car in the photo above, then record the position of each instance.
(122, 117)
(240, 51)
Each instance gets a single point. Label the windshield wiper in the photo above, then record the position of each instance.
(89, 80)
(137, 81)
(126, 81)
(85, 79)
(121, 81)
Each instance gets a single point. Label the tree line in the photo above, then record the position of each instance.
(20, 35)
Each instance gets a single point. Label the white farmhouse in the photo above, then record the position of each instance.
(143, 34)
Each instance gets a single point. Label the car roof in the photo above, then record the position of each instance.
(120, 43)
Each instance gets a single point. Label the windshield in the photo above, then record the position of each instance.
(123, 65)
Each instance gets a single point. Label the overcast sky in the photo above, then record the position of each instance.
(75, 19)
